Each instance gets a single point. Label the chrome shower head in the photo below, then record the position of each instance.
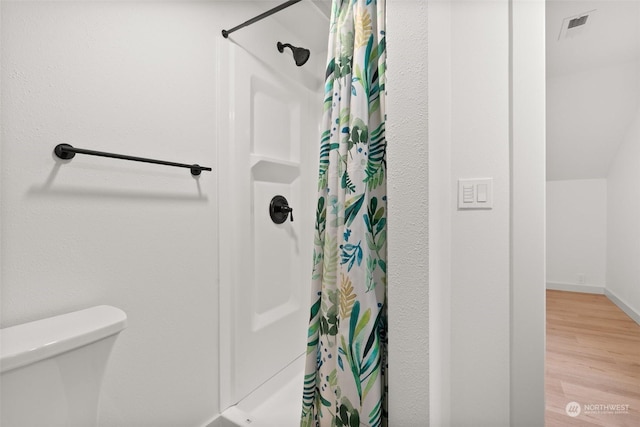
(300, 54)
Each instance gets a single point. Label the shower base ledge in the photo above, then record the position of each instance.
(276, 403)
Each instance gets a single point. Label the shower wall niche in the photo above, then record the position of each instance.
(269, 133)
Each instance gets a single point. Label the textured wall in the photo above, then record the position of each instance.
(132, 78)
(408, 210)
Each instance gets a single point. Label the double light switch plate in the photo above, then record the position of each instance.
(475, 193)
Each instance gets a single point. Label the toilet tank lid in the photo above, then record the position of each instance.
(28, 343)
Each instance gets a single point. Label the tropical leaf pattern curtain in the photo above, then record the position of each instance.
(345, 380)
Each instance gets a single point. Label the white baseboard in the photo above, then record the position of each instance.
(623, 306)
(572, 287)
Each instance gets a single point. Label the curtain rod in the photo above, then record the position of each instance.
(225, 33)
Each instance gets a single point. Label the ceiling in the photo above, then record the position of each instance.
(593, 85)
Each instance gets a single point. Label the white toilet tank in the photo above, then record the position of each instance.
(52, 369)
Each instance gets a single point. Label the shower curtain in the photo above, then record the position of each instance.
(345, 380)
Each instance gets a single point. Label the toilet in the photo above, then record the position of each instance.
(52, 369)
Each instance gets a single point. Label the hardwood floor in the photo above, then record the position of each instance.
(592, 358)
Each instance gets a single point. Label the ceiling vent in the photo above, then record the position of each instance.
(576, 22)
(576, 25)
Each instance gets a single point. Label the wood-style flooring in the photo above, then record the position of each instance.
(592, 358)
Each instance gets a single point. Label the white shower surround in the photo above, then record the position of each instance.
(270, 112)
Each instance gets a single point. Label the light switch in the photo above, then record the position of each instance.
(468, 194)
(475, 193)
(482, 193)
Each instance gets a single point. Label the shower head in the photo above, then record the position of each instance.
(300, 54)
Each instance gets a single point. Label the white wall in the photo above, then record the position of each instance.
(623, 221)
(527, 151)
(132, 78)
(480, 313)
(439, 69)
(469, 304)
(408, 210)
(588, 113)
(577, 233)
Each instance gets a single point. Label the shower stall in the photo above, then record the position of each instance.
(269, 112)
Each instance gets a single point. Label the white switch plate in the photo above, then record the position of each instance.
(475, 193)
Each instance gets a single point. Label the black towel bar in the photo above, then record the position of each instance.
(66, 152)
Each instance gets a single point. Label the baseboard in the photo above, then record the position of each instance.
(623, 306)
(572, 287)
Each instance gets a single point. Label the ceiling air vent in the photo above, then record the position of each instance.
(575, 25)
(576, 22)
